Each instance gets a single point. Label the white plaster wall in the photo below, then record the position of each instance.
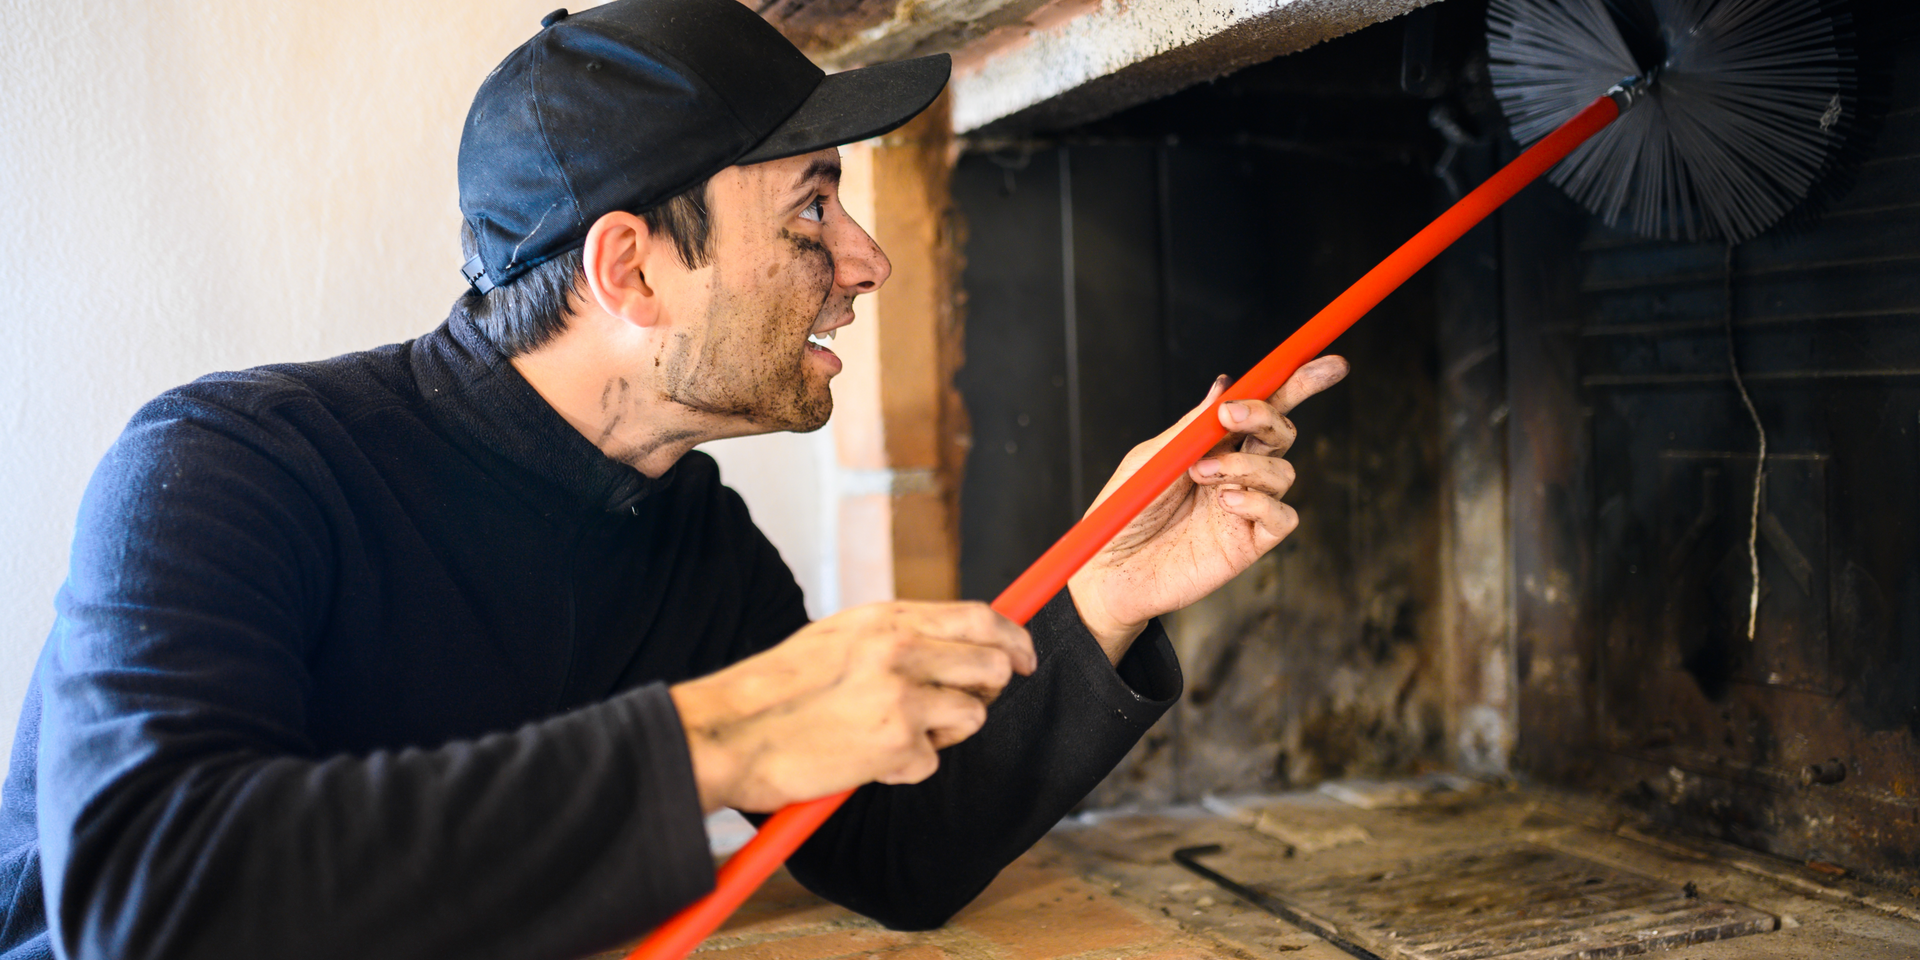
(195, 185)
(792, 483)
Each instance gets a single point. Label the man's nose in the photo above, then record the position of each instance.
(859, 264)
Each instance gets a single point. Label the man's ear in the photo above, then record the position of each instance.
(615, 261)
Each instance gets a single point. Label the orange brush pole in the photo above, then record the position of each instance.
(785, 831)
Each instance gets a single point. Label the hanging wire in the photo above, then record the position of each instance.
(1759, 465)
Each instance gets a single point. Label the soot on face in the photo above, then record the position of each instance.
(753, 363)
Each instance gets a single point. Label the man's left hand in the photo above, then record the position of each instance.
(1209, 525)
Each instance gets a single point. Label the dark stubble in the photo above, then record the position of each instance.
(750, 366)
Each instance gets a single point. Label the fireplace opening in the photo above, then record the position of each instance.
(1523, 553)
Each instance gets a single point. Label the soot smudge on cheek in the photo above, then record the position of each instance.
(808, 250)
(752, 361)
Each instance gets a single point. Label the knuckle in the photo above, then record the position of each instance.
(900, 738)
(926, 766)
(1000, 670)
(1287, 519)
(982, 617)
(967, 720)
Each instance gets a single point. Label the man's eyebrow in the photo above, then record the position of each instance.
(819, 169)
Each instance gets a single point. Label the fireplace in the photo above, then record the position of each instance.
(1524, 549)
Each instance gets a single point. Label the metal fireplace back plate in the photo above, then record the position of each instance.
(1523, 902)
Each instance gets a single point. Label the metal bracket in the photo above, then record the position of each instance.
(475, 270)
(1630, 91)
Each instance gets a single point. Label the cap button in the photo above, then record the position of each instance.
(553, 18)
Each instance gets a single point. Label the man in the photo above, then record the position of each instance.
(445, 649)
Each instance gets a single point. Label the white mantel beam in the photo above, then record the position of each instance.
(1032, 64)
(1119, 53)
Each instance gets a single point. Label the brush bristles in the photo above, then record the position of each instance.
(1746, 109)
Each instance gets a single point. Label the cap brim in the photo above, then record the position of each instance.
(855, 105)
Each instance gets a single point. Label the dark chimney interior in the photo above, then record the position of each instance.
(1525, 517)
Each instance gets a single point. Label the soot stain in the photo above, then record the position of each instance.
(805, 246)
(613, 398)
(755, 370)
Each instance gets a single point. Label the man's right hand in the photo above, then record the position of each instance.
(868, 694)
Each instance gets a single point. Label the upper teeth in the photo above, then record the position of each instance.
(820, 339)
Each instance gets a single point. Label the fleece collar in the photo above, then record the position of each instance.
(471, 386)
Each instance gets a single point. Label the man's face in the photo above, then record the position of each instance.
(787, 263)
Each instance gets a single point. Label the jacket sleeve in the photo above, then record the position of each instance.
(912, 856)
(184, 813)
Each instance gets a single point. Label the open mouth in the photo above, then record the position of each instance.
(821, 341)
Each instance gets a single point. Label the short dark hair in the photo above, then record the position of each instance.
(532, 309)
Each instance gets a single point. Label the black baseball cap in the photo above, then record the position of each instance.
(628, 104)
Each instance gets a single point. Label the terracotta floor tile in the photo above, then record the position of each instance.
(813, 946)
(1057, 919)
(1023, 876)
(1185, 951)
(782, 904)
(918, 951)
(1035, 910)
(793, 920)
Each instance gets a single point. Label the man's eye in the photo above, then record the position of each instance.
(816, 211)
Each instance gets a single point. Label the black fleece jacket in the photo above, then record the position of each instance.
(368, 658)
